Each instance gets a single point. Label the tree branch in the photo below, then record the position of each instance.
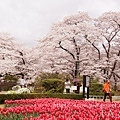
(66, 50)
(93, 46)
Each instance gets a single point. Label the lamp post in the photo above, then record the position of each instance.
(86, 83)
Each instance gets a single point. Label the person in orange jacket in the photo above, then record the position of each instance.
(107, 90)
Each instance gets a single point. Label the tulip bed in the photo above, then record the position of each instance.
(59, 109)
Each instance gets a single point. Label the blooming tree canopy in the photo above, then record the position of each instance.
(108, 48)
(16, 59)
(65, 45)
(77, 45)
(81, 45)
(9, 54)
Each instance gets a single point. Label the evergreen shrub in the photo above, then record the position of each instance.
(4, 97)
(53, 85)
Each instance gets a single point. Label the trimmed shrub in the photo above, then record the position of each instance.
(53, 85)
(96, 89)
(51, 76)
(4, 97)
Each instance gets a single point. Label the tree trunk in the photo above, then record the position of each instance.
(76, 73)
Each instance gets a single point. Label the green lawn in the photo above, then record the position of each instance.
(1, 105)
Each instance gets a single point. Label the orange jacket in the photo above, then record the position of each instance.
(106, 87)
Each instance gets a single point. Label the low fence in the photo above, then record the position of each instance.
(115, 98)
(96, 96)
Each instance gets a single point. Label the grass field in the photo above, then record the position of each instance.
(1, 105)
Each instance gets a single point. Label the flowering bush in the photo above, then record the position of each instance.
(18, 90)
(11, 92)
(14, 88)
(60, 109)
(23, 90)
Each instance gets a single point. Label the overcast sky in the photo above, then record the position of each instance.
(28, 20)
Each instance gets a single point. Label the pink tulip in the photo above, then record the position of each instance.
(63, 109)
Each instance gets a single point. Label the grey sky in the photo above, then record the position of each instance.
(27, 20)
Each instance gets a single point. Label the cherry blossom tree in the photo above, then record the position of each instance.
(81, 45)
(110, 25)
(30, 68)
(9, 53)
(66, 47)
(16, 59)
(107, 44)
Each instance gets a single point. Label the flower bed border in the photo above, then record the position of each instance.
(4, 97)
